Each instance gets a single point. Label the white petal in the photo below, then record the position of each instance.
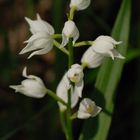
(82, 115)
(17, 88)
(108, 39)
(38, 35)
(74, 99)
(87, 109)
(69, 31)
(117, 54)
(101, 46)
(80, 4)
(29, 21)
(75, 73)
(65, 40)
(31, 87)
(24, 72)
(39, 25)
(34, 25)
(62, 92)
(45, 26)
(41, 51)
(110, 54)
(97, 111)
(69, 28)
(37, 44)
(76, 35)
(79, 88)
(92, 59)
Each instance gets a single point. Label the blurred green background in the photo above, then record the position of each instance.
(24, 118)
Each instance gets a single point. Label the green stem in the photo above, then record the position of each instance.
(71, 57)
(74, 116)
(57, 44)
(71, 14)
(69, 121)
(84, 65)
(63, 123)
(57, 36)
(83, 43)
(54, 96)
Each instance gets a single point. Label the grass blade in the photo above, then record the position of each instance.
(108, 79)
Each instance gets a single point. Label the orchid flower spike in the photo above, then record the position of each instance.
(80, 4)
(69, 31)
(105, 45)
(41, 41)
(88, 109)
(33, 86)
(73, 75)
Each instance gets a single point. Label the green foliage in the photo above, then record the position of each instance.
(108, 79)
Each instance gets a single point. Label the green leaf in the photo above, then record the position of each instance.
(108, 78)
(132, 54)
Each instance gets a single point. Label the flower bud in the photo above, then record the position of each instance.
(80, 4)
(69, 31)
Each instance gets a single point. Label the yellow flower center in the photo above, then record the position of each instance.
(75, 78)
(90, 109)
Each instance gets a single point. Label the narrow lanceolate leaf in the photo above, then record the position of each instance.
(108, 79)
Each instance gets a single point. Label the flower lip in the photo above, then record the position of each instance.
(75, 78)
(75, 73)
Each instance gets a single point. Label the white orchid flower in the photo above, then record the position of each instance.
(62, 91)
(92, 59)
(33, 86)
(105, 45)
(88, 109)
(41, 41)
(69, 31)
(75, 75)
(80, 4)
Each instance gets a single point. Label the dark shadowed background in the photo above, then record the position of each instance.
(24, 118)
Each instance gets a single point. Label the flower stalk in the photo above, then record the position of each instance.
(56, 36)
(71, 14)
(57, 45)
(69, 121)
(53, 95)
(83, 43)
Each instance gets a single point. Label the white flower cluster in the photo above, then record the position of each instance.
(42, 41)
